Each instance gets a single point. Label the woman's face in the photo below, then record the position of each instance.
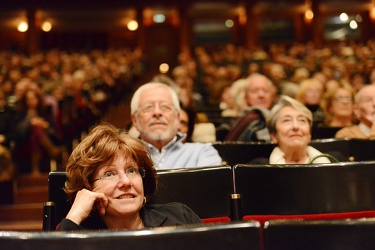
(342, 104)
(292, 129)
(31, 100)
(121, 185)
(312, 96)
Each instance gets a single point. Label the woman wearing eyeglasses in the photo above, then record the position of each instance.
(110, 177)
(338, 105)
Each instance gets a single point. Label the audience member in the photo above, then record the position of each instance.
(33, 132)
(6, 126)
(310, 94)
(364, 109)
(227, 104)
(260, 95)
(289, 124)
(187, 122)
(338, 105)
(155, 112)
(7, 169)
(110, 177)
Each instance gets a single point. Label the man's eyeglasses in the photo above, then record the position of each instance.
(150, 107)
(131, 173)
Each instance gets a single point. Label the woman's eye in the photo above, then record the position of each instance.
(131, 170)
(108, 174)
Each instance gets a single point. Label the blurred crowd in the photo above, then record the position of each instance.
(214, 81)
(48, 99)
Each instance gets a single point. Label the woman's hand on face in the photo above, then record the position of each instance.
(84, 203)
(39, 122)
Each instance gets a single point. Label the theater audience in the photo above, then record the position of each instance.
(289, 124)
(155, 113)
(108, 77)
(110, 178)
(364, 109)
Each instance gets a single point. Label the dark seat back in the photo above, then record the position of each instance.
(206, 190)
(305, 189)
(332, 146)
(234, 153)
(56, 194)
(244, 152)
(324, 132)
(241, 235)
(362, 150)
(325, 234)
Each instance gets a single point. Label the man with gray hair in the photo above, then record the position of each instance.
(155, 113)
(260, 95)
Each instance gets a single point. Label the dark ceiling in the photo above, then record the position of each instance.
(89, 4)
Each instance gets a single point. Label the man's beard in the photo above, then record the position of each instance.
(167, 134)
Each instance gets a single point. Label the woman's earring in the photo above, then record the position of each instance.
(144, 201)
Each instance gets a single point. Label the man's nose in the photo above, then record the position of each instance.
(157, 110)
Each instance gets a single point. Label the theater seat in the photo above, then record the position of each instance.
(262, 219)
(206, 190)
(305, 189)
(234, 236)
(358, 234)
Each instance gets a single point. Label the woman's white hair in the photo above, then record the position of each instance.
(285, 101)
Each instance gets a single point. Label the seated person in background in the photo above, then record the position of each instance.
(338, 106)
(289, 124)
(110, 177)
(33, 133)
(6, 126)
(310, 94)
(260, 96)
(364, 109)
(187, 122)
(155, 112)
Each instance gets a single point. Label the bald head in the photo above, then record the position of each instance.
(365, 105)
(260, 91)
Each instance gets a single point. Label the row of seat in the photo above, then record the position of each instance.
(356, 234)
(244, 152)
(225, 193)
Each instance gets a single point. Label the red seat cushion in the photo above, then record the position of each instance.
(328, 216)
(216, 219)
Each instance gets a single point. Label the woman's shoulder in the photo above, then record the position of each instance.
(171, 206)
(169, 214)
